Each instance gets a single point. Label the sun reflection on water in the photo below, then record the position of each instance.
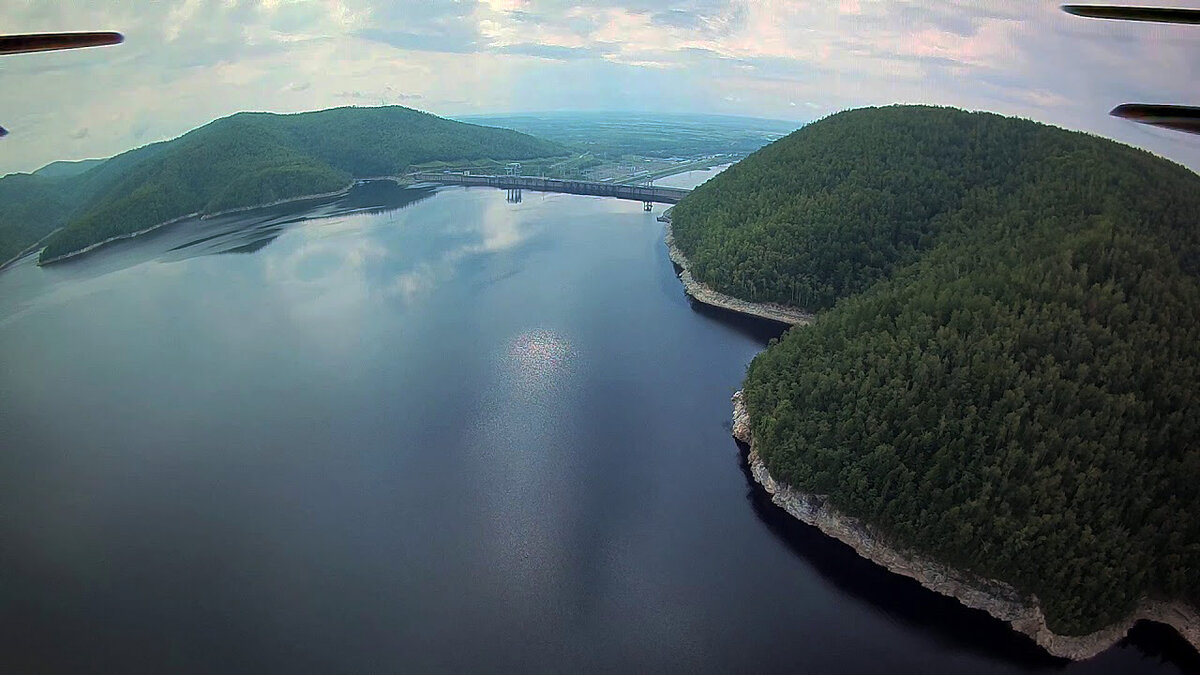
(537, 358)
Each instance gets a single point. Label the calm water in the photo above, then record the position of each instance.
(689, 179)
(464, 434)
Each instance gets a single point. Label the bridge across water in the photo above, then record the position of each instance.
(642, 193)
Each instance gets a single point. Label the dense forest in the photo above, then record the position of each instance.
(36, 204)
(241, 160)
(1009, 376)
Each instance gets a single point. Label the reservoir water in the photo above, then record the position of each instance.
(413, 430)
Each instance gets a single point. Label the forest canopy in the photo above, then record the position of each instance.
(1007, 373)
(242, 160)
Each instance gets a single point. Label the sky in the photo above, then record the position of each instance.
(187, 62)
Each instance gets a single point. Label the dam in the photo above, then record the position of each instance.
(647, 194)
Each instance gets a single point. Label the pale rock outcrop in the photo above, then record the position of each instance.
(994, 597)
(703, 293)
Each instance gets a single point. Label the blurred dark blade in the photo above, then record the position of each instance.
(3, 132)
(1177, 117)
(1157, 14)
(44, 42)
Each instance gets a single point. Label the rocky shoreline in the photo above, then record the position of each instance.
(131, 235)
(997, 598)
(994, 597)
(703, 293)
(32, 248)
(119, 237)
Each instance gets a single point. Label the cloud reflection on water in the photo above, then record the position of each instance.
(499, 227)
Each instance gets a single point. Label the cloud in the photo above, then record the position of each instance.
(429, 42)
(678, 18)
(556, 52)
(186, 62)
(384, 97)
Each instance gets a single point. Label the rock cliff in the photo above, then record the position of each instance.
(702, 293)
(994, 597)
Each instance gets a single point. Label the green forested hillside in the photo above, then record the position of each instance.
(63, 168)
(1011, 379)
(384, 141)
(33, 205)
(32, 208)
(230, 166)
(241, 160)
(832, 209)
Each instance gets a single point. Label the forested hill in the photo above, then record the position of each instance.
(1010, 381)
(33, 205)
(62, 169)
(840, 204)
(241, 160)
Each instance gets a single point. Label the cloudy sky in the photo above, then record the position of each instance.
(186, 62)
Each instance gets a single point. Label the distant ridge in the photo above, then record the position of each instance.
(66, 168)
(241, 160)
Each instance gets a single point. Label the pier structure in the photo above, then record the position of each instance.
(647, 205)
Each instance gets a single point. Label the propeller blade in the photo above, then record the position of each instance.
(44, 42)
(3, 132)
(1177, 117)
(1156, 14)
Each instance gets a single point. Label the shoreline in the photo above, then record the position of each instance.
(784, 314)
(202, 216)
(35, 247)
(997, 598)
(702, 293)
(1000, 600)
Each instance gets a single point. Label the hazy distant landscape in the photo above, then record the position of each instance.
(611, 135)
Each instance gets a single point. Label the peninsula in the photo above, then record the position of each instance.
(1000, 395)
(244, 160)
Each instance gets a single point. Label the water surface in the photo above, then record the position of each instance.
(690, 179)
(418, 430)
